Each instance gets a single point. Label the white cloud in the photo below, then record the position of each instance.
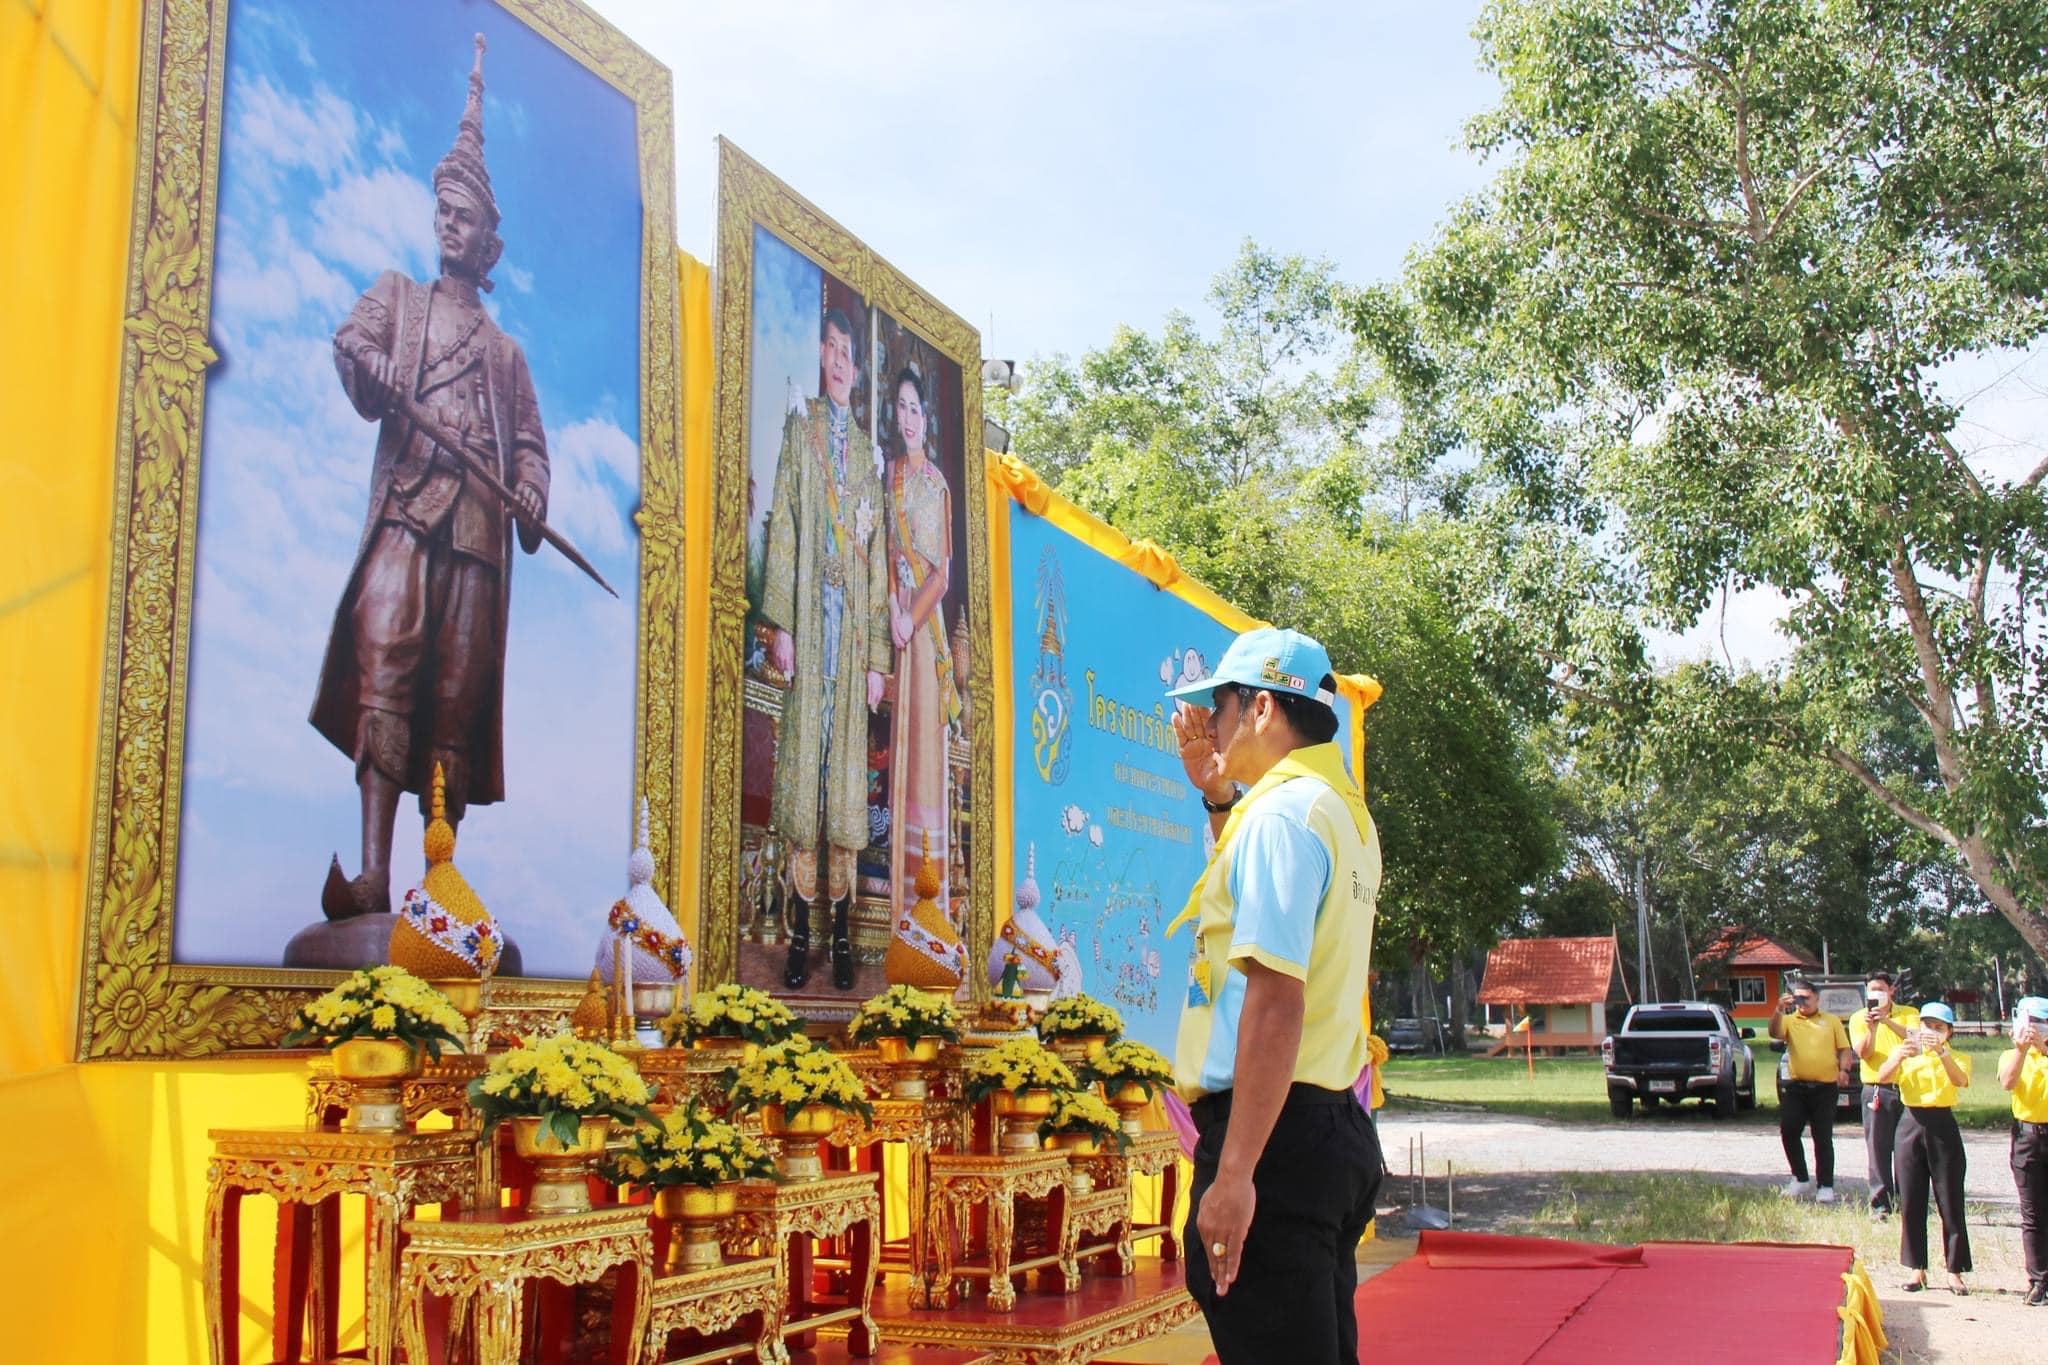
(380, 221)
(522, 280)
(282, 132)
(580, 504)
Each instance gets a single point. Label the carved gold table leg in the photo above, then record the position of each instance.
(941, 1288)
(1002, 1219)
(499, 1317)
(863, 1339)
(380, 1252)
(223, 1264)
(919, 1184)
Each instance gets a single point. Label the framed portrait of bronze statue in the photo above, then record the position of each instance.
(847, 720)
(398, 508)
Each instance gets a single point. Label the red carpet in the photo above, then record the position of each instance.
(1466, 1297)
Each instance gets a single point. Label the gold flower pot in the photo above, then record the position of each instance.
(376, 1070)
(908, 1084)
(1129, 1100)
(797, 1138)
(1020, 1112)
(1074, 1144)
(735, 1050)
(561, 1175)
(897, 1051)
(1079, 1047)
(696, 1212)
(466, 993)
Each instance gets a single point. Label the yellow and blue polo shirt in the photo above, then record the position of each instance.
(1294, 890)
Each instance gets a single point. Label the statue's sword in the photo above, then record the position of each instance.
(441, 435)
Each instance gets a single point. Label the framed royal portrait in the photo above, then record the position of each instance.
(848, 710)
(398, 506)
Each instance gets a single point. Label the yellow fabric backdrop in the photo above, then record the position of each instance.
(105, 1165)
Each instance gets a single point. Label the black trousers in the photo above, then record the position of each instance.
(2030, 1177)
(1930, 1153)
(1809, 1104)
(1296, 1278)
(1881, 1110)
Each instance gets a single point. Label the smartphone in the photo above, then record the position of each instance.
(1873, 1002)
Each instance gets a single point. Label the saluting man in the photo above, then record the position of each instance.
(1271, 1037)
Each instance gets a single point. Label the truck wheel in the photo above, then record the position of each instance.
(1617, 1102)
(1745, 1100)
(1724, 1099)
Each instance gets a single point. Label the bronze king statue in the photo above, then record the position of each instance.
(414, 671)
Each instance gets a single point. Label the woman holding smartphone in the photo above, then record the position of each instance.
(1929, 1152)
(2023, 1070)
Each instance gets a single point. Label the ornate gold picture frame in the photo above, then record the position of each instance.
(136, 1000)
(750, 877)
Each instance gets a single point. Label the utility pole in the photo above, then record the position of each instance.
(1643, 929)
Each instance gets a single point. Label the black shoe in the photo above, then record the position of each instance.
(2037, 1297)
(842, 950)
(797, 970)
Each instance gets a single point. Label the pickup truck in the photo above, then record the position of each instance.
(1672, 1052)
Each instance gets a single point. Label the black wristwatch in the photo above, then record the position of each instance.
(1215, 809)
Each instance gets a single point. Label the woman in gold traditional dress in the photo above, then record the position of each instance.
(925, 948)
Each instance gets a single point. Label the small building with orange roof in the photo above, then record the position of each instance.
(1561, 985)
(1751, 970)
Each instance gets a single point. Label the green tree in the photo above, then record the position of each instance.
(1241, 454)
(1684, 342)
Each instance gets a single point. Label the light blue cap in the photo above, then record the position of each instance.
(1274, 659)
(2035, 1007)
(1935, 1009)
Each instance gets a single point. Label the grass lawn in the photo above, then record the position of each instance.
(1624, 1209)
(1575, 1088)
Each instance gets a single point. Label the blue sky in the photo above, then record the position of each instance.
(1051, 170)
(336, 116)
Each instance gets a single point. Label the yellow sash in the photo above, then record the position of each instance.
(1325, 763)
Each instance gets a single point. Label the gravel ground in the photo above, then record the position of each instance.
(1687, 1139)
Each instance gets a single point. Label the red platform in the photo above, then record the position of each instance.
(1563, 1303)
(1046, 1327)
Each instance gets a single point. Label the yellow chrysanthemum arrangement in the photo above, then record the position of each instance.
(730, 1010)
(904, 1012)
(561, 1080)
(796, 1072)
(380, 1002)
(1018, 1065)
(1123, 1063)
(1083, 1113)
(1079, 1016)
(687, 1146)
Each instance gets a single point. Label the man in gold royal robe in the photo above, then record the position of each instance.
(414, 671)
(825, 592)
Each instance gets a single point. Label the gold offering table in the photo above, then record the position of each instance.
(442, 1087)
(711, 1303)
(1148, 1154)
(307, 1171)
(960, 1182)
(483, 1261)
(923, 1126)
(786, 1222)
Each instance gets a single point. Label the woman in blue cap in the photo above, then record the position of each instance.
(2023, 1070)
(1929, 1150)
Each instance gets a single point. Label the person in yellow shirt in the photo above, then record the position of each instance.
(1272, 1037)
(1817, 1062)
(2023, 1070)
(1874, 1031)
(1930, 1146)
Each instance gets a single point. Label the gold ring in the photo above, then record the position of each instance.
(1218, 1248)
